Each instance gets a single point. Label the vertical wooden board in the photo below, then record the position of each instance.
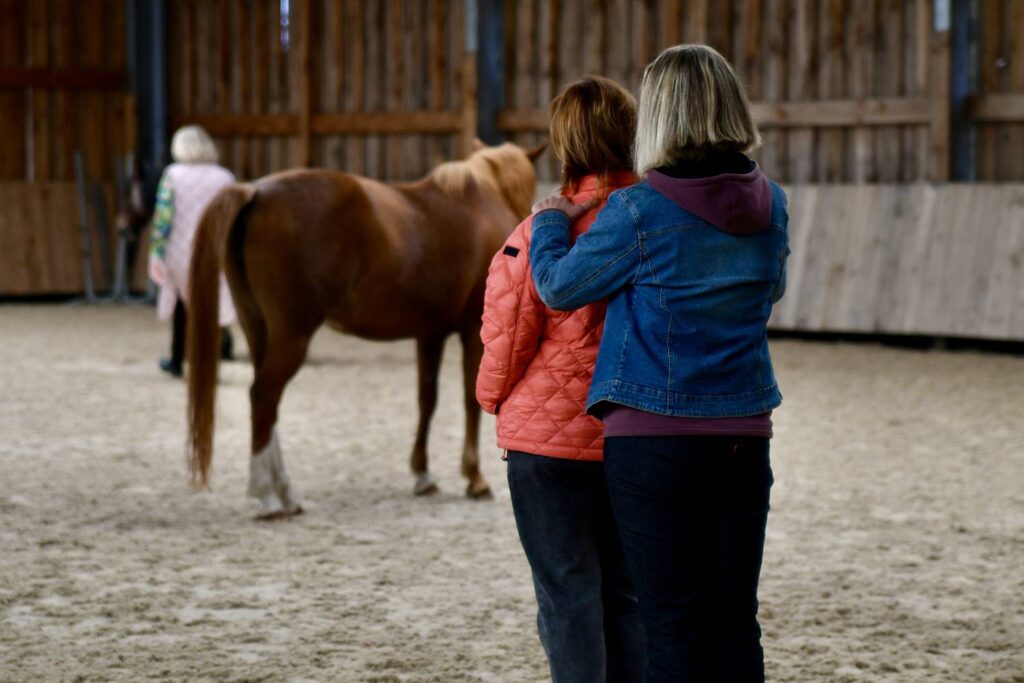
(896, 226)
(300, 58)
(276, 95)
(829, 142)
(260, 103)
(908, 289)
(841, 288)
(394, 81)
(720, 26)
(831, 213)
(669, 24)
(456, 52)
(12, 101)
(242, 86)
(375, 55)
(774, 150)
(570, 43)
(618, 43)
(988, 50)
(695, 21)
(802, 206)
(977, 255)
(413, 93)
(747, 55)
(1015, 170)
(333, 40)
(547, 71)
(1004, 304)
(888, 70)
(437, 68)
(931, 313)
(93, 143)
(65, 137)
(594, 36)
(858, 48)
(801, 85)
(38, 155)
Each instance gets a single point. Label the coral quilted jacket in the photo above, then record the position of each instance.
(538, 362)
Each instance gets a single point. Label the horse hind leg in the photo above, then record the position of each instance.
(428, 364)
(268, 479)
(472, 351)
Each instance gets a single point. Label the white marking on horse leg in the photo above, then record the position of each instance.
(424, 484)
(261, 478)
(282, 482)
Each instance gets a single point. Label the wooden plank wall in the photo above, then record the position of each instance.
(999, 108)
(843, 89)
(63, 87)
(927, 259)
(40, 243)
(374, 88)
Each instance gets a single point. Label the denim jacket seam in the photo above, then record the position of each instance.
(593, 276)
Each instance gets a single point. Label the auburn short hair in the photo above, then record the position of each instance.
(691, 102)
(593, 123)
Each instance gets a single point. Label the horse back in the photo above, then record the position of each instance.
(376, 260)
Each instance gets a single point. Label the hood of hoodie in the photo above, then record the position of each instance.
(737, 203)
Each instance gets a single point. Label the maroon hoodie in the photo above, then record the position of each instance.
(737, 203)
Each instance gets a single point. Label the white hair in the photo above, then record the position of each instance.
(193, 145)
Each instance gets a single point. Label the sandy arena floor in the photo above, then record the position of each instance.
(895, 546)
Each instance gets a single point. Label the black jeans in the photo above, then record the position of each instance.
(587, 617)
(691, 511)
(178, 322)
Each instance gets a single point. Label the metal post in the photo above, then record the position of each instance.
(148, 37)
(490, 70)
(83, 228)
(963, 85)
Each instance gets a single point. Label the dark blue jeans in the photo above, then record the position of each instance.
(587, 614)
(691, 511)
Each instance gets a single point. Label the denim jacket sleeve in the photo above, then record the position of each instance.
(603, 259)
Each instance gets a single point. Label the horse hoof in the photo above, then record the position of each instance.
(425, 485)
(479, 492)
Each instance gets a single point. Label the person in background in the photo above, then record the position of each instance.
(691, 260)
(185, 189)
(536, 368)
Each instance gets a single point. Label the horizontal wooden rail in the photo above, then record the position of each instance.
(343, 123)
(996, 108)
(63, 78)
(825, 113)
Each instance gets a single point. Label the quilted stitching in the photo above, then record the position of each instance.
(538, 362)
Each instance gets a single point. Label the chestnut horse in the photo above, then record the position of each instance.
(305, 247)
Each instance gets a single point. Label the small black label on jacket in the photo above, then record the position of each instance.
(511, 251)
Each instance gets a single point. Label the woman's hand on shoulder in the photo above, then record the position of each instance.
(560, 203)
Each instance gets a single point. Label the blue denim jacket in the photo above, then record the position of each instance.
(685, 332)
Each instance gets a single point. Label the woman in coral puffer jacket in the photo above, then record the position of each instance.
(535, 374)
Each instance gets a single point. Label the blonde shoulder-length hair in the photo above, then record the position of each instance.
(193, 145)
(691, 103)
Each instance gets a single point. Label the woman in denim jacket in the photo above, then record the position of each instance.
(692, 259)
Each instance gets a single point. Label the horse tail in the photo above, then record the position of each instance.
(203, 329)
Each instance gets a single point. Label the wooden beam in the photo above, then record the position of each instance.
(820, 114)
(343, 123)
(63, 78)
(996, 108)
(304, 76)
(842, 113)
(387, 122)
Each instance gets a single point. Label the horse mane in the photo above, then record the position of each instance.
(504, 170)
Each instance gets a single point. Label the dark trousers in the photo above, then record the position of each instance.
(691, 511)
(587, 617)
(227, 342)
